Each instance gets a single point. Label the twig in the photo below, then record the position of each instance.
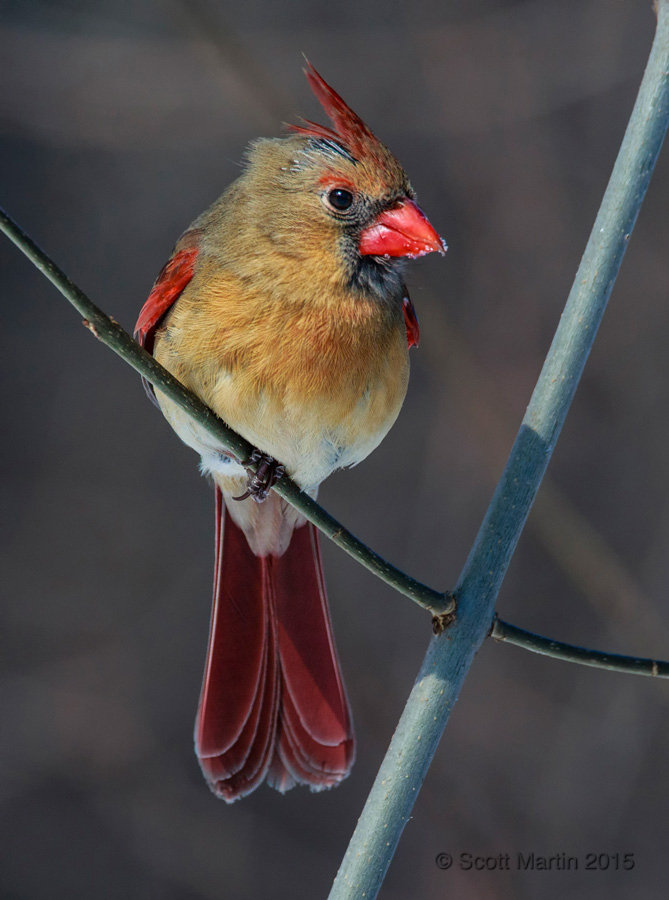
(449, 657)
(107, 330)
(503, 631)
(573, 542)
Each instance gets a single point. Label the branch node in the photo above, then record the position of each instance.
(443, 620)
(91, 327)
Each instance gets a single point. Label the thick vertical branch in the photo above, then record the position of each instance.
(449, 656)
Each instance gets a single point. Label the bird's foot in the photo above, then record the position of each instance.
(265, 477)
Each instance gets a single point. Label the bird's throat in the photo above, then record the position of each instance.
(377, 277)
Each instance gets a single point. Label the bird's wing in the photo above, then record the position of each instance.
(411, 321)
(168, 287)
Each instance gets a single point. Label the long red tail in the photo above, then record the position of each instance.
(273, 703)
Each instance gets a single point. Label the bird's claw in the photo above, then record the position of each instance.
(263, 479)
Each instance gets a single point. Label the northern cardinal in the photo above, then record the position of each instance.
(283, 307)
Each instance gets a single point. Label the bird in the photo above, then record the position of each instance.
(283, 307)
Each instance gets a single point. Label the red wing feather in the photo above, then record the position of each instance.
(168, 287)
(173, 278)
(411, 322)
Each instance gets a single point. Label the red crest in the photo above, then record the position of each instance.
(348, 128)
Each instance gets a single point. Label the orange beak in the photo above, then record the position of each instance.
(402, 231)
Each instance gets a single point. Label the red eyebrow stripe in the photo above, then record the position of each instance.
(334, 179)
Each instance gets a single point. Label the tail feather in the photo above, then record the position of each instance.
(306, 646)
(246, 753)
(319, 759)
(273, 703)
(232, 678)
(251, 758)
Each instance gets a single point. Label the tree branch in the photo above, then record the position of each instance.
(440, 604)
(503, 631)
(450, 655)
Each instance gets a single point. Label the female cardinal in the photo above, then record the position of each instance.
(283, 308)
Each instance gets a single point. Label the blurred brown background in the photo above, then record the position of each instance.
(119, 123)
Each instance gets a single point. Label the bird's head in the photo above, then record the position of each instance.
(340, 187)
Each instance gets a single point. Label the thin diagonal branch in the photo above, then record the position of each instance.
(110, 333)
(511, 634)
(450, 655)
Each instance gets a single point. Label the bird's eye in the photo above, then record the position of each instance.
(340, 199)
